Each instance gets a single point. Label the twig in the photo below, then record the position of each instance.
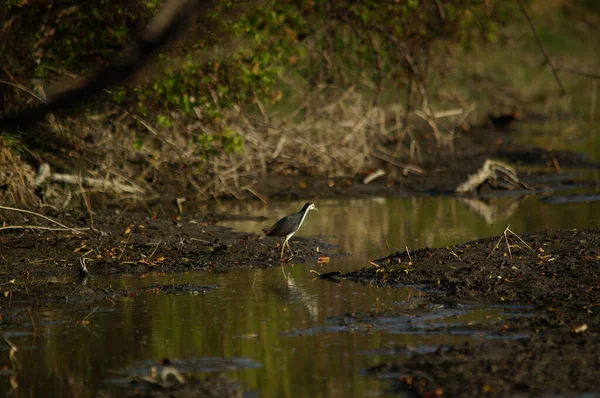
(153, 251)
(43, 228)
(126, 242)
(541, 44)
(206, 242)
(494, 247)
(86, 199)
(518, 237)
(24, 89)
(440, 8)
(408, 98)
(373, 176)
(507, 244)
(504, 235)
(408, 252)
(32, 322)
(90, 314)
(37, 214)
(406, 167)
(256, 194)
(589, 75)
(426, 115)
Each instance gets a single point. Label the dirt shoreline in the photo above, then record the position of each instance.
(560, 354)
(560, 277)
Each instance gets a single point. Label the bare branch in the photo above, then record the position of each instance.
(589, 75)
(541, 44)
(162, 29)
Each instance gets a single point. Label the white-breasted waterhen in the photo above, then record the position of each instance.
(289, 225)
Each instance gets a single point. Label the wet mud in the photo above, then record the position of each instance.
(556, 272)
(211, 386)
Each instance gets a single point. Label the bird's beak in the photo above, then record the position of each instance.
(316, 209)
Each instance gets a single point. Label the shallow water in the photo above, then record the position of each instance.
(280, 331)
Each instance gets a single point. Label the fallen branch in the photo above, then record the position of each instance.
(101, 183)
(373, 176)
(492, 171)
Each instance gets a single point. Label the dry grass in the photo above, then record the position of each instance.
(16, 177)
(337, 139)
(347, 135)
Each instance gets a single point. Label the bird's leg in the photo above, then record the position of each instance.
(289, 247)
(282, 247)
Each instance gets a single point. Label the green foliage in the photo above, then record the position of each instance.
(205, 146)
(12, 142)
(153, 5)
(164, 121)
(235, 57)
(228, 141)
(138, 143)
(13, 3)
(231, 141)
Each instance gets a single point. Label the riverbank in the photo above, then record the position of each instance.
(555, 351)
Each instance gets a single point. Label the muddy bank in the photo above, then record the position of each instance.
(542, 365)
(211, 386)
(44, 266)
(557, 349)
(558, 267)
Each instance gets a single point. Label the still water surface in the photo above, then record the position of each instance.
(280, 329)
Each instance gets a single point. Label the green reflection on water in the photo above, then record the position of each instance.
(371, 228)
(246, 317)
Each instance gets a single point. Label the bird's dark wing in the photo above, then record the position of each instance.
(284, 226)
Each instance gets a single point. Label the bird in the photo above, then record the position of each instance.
(504, 120)
(289, 225)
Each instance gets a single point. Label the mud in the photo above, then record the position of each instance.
(211, 386)
(137, 243)
(563, 365)
(559, 276)
(40, 267)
